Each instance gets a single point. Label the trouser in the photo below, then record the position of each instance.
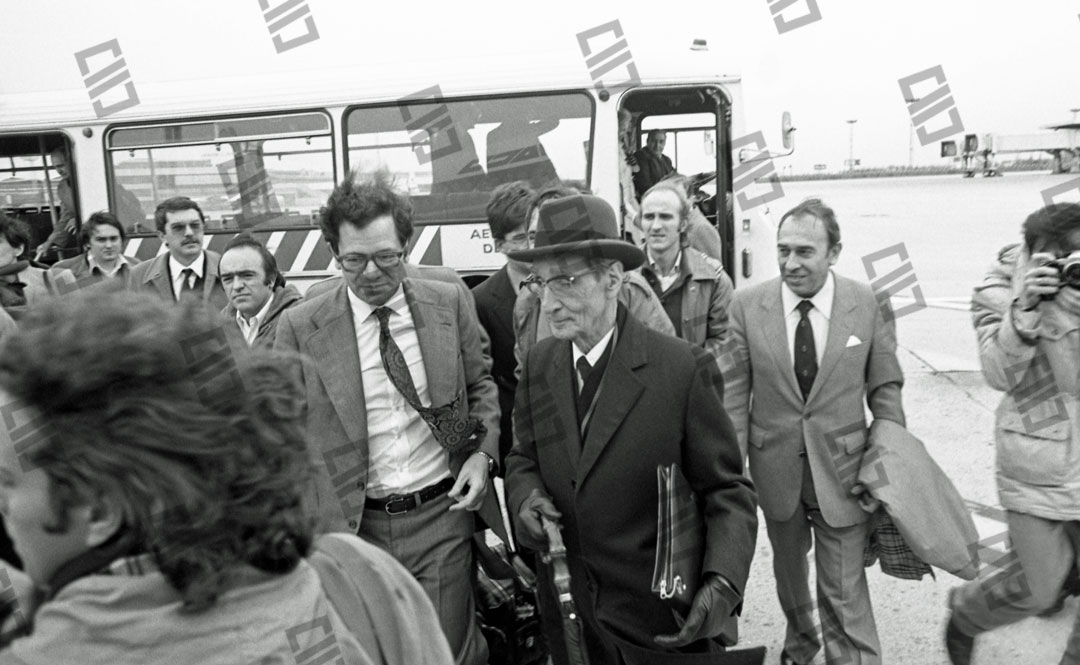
(1023, 582)
(843, 598)
(435, 545)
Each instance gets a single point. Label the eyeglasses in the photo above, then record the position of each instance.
(525, 241)
(359, 262)
(560, 285)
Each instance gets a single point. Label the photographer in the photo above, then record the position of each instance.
(1027, 317)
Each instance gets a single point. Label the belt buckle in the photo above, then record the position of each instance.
(395, 499)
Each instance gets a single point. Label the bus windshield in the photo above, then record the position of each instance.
(450, 154)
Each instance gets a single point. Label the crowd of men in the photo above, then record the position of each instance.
(586, 363)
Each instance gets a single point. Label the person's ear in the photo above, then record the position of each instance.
(104, 521)
(834, 253)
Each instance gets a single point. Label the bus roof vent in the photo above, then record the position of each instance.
(699, 45)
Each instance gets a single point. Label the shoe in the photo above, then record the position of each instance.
(958, 644)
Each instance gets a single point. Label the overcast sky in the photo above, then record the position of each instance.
(1012, 67)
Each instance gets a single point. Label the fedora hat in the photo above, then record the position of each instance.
(581, 224)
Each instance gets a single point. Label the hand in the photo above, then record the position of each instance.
(42, 248)
(530, 532)
(474, 477)
(866, 501)
(713, 605)
(1038, 278)
(70, 227)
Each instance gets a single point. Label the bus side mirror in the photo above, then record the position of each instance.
(948, 148)
(787, 132)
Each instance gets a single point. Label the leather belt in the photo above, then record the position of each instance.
(397, 504)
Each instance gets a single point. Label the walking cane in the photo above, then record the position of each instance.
(560, 573)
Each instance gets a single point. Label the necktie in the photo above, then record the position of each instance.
(192, 283)
(451, 427)
(585, 396)
(805, 351)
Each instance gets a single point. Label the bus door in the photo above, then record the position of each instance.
(450, 154)
(697, 124)
(38, 185)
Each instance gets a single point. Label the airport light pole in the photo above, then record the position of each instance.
(911, 135)
(851, 144)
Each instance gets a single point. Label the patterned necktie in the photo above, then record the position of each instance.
(805, 351)
(451, 427)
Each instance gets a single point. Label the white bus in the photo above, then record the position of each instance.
(259, 146)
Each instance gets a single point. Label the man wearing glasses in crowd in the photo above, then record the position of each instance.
(400, 404)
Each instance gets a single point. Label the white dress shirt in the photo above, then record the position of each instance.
(250, 329)
(403, 454)
(593, 356)
(819, 315)
(176, 271)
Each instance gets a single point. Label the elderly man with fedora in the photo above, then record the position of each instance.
(600, 405)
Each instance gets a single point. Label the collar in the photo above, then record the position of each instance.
(362, 310)
(593, 356)
(676, 267)
(822, 300)
(260, 316)
(120, 263)
(198, 265)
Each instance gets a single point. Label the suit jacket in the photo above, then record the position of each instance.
(75, 273)
(495, 299)
(765, 403)
(651, 170)
(153, 275)
(322, 330)
(661, 401)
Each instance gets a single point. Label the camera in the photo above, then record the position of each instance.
(1069, 269)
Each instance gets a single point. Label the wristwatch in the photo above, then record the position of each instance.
(491, 462)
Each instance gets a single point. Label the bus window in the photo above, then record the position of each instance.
(261, 172)
(31, 187)
(450, 154)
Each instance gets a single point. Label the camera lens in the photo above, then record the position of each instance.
(1070, 273)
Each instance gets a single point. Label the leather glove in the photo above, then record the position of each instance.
(713, 605)
(530, 532)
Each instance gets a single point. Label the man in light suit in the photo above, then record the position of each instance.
(400, 404)
(600, 405)
(185, 270)
(805, 350)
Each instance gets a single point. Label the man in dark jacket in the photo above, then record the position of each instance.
(653, 164)
(600, 405)
(257, 292)
(508, 217)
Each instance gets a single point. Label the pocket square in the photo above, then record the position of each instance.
(852, 341)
